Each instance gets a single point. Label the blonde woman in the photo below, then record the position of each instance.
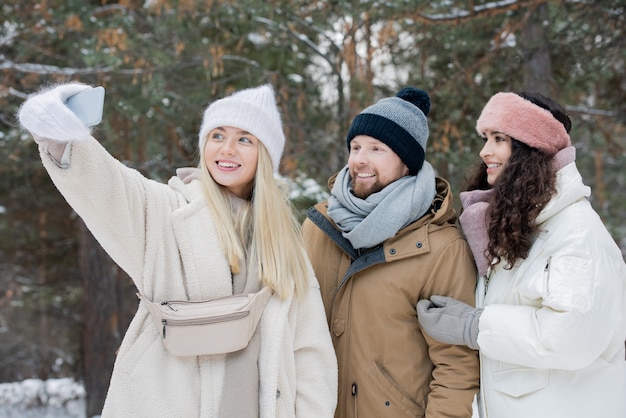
(220, 229)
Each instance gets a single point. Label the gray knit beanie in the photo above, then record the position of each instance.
(400, 122)
(254, 110)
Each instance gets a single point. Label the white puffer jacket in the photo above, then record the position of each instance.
(552, 332)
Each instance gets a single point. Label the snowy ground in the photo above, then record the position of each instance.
(32, 398)
(54, 398)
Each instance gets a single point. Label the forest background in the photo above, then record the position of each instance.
(64, 306)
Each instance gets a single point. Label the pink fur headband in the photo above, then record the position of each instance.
(523, 120)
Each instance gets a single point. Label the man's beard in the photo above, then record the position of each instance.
(363, 191)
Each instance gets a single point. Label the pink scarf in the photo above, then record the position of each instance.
(475, 203)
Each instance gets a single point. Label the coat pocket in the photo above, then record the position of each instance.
(519, 382)
(570, 284)
(395, 398)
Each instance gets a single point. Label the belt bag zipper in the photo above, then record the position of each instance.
(202, 321)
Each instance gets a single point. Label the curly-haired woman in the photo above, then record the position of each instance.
(550, 321)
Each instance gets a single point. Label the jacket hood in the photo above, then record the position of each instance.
(415, 238)
(187, 182)
(569, 189)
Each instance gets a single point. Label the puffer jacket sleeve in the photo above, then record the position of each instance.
(316, 363)
(112, 199)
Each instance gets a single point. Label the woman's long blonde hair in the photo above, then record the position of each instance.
(268, 224)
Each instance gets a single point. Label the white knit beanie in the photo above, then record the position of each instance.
(253, 110)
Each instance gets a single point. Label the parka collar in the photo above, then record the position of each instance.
(414, 238)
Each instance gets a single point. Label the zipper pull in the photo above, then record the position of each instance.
(164, 322)
(547, 267)
(169, 305)
(546, 271)
(487, 278)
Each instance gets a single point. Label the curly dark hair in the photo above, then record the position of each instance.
(522, 190)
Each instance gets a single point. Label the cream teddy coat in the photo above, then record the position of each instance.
(164, 237)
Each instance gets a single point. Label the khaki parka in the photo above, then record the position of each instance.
(387, 366)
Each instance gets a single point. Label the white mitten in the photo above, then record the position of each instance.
(46, 116)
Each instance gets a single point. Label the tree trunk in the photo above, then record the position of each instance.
(109, 303)
(535, 47)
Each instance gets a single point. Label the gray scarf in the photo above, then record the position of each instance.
(240, 395)
(370, 221)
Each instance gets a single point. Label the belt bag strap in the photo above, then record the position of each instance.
(216, 326)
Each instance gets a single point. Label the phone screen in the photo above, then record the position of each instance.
(88, 105)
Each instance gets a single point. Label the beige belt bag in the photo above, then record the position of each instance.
(216, 326)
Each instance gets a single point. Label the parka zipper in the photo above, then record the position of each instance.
(546, 273)
(202, 321)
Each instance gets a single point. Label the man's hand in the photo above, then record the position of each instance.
(449, 320)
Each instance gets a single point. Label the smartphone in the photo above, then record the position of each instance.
(88, 105)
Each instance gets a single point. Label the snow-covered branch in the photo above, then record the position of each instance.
(302, 38)
(590, 111)
(494, 7)
(49, 69)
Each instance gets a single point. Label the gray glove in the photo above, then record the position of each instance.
(449, 320)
